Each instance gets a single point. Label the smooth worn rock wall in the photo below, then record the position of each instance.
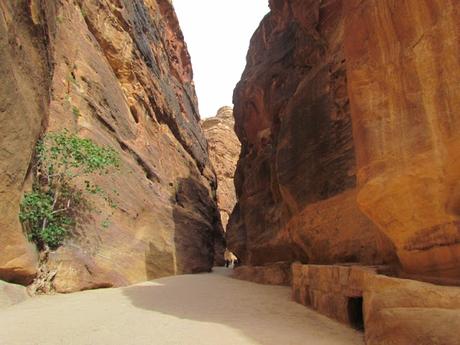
(25, 67)
(404, 82)
(347, 113)
(224, 150)
(121, 75)
(406, 312)
(296, 178)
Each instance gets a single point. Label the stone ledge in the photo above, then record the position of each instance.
(11, 294)
(391, 310)
(274, 274)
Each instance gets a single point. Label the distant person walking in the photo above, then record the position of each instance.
(230, 258)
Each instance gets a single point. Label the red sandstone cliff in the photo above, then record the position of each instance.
(405, 99)
(125, 67)
(347, 114)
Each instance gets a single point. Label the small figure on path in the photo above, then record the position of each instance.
(230, 258)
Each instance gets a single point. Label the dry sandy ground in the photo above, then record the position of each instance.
(201, 309)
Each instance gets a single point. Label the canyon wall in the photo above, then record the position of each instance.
(117, 72)
(296, 177)
(347, 114)
(404, 82)
(224, 150)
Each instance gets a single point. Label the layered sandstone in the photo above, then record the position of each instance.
(296, 178)
(224, 150)
(23, 102)
(117, 72)
(347, 114)
(404, 82)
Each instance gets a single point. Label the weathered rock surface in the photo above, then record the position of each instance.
(390, 310)
(224, 150)
(332, 289)
(347, 114)
(23, 101)
(296, 178)
(117, 72)
(278, 273)
(405, 312)
(405, 95)
(11, 294)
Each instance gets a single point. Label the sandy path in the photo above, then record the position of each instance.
(191, 309)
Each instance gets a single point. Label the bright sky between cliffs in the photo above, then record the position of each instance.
(217, 33)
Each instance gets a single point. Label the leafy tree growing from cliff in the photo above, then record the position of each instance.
(61, 188)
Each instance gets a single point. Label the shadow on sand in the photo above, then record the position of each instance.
(263, 313)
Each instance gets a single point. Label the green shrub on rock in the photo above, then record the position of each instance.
(63, 160)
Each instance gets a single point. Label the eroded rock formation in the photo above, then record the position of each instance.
(224, 150)
(347, 114)
(405, 96)
(296, 178)
(117, 72)
(24, 100)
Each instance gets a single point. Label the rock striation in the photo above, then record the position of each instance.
(117, 72)
(404, 92)
(24, 100)
(296, 178)
(224, 150)
(346, 112)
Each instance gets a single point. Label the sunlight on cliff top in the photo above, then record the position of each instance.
(217, 33)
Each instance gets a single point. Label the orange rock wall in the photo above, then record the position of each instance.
(404, 82)
(125, 67)
(347, 113)
(24, 99)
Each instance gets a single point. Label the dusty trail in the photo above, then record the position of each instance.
(201, 309)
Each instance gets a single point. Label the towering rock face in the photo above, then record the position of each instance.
(296, 178)
(24, 99)
(404, 84)
(117, 72)
(347, 117)
(224, 150)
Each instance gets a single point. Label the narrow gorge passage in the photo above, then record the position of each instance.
(331, 166)
(187, 310)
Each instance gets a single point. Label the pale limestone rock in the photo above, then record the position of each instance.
(224, 150)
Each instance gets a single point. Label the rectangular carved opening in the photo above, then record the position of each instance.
(355, 312)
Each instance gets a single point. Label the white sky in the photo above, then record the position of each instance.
(217, 33)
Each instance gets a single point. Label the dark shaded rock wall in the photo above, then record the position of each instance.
(296, 178)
